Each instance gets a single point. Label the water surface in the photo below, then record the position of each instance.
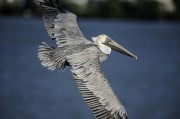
(148, 87)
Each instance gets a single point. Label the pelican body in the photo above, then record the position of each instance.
(84, 56)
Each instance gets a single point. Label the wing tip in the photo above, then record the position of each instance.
(125, 116)
(53, 3)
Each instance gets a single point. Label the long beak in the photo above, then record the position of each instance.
(115, 46)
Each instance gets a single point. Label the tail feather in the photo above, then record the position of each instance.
(48, 59)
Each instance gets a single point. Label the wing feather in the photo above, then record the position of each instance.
(93, 85)
(61, 24)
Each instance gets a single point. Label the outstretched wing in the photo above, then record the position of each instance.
(61, 24)
(93, 85)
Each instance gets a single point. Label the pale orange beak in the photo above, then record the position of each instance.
(115, 46)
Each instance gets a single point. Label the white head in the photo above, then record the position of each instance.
(99, 41)
(105, 43)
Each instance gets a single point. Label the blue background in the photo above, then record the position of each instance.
(149, 88)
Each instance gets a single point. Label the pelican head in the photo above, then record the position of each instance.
(105, 44)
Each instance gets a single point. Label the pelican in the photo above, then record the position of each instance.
(83, 56)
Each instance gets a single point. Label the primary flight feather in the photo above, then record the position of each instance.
(84, 56)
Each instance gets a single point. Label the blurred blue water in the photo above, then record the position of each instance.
(148, 87)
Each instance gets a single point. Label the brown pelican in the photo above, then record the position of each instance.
(84, 56)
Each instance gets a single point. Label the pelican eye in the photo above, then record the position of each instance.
(108, 40)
